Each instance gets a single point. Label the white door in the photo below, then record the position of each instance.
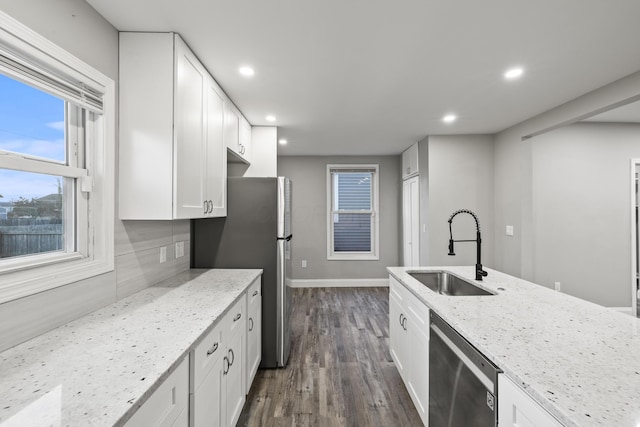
(411, 221)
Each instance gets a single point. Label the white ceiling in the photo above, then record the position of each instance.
(352, 77)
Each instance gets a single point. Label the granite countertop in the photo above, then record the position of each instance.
(579, 360)
(97, 369)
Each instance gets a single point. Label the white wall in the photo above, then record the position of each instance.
(513, 164)
(309, 204)
(76, 27)
(581, 210)
(460, 176)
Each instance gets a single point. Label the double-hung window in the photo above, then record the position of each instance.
(56, 165)
(352, 201)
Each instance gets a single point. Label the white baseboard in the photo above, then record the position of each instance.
(625, 310)
(339, 283)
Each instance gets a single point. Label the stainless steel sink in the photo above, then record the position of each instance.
(448, 284)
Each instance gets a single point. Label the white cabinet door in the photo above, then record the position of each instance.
(410, 161)
(254, 332)
(418, 384)
(234, 378)
(397, 335)
(166, 406)
(216, 159)
(517, 409)
(231, 127)
(245, 139)
(411, 221)
(190, 143)
(207, 409)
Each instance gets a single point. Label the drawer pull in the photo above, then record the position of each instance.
(225, 370)
(233, 357)
(238, 316)
(254, 293)
(212, 349)
(250, 324)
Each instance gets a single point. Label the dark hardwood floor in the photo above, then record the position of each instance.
(340, 372)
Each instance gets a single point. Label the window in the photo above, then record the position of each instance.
(56, 165)
(352, 201)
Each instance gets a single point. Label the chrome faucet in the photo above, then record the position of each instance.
(479, 271)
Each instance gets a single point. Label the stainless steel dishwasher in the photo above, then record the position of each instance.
(463, 384)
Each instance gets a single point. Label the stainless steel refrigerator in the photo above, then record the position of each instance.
(256, 233)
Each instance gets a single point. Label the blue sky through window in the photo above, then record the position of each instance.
(31, 122)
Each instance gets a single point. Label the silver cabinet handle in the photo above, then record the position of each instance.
(250, 324)
(238, 316)
(225, 370)
(212, 349)
(208, 206)
(401, 316)
(233, 357)
(404, 323)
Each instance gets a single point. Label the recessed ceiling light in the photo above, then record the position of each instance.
(270, 118)
(282, 141)
(247, 71)
(513, 73)
(449, 118)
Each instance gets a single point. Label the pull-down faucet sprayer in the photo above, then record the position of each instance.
(479, 271)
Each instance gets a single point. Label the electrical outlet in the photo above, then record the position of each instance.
(163, 254)
(179, 249)
(556, 286)
(304, 263)
(509, 230)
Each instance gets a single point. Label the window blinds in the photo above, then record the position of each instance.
(31, 72)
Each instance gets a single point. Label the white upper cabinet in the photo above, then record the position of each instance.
(237, 135)
(172, 151)
(410, 162)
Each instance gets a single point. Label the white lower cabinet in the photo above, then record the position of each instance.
(218, 373)
(409, 344)
(517, 409)
(168, 406)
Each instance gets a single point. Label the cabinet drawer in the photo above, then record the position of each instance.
(416, 309)
(207, 353)
(254, 293)
(236, 317)
(165, 406)
(419, 312)
(517, 408)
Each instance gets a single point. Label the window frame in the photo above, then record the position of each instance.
(374, 254)
(95, 181)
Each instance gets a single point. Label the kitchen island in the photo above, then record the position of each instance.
(99, 369)
(578, 360)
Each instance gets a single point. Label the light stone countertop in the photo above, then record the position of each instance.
(96, 370)
(579, 360)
